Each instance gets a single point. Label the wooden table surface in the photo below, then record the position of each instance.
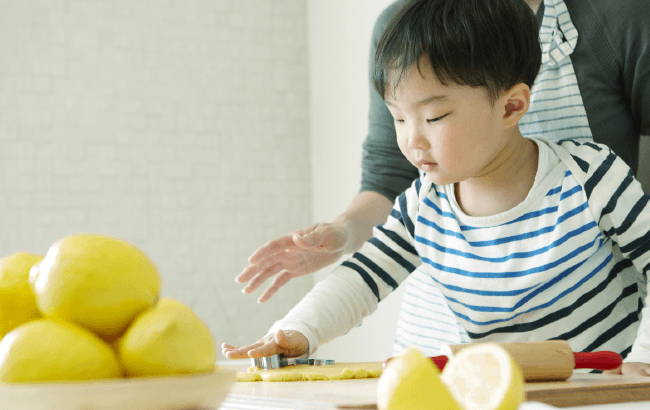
(579, 390)
(339, 392)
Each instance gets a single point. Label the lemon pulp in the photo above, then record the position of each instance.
(485, 377)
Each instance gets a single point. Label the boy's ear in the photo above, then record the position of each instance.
(516, 101)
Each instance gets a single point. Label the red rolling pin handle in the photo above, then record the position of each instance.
(588, 360)
(440, 361)
(598, 360)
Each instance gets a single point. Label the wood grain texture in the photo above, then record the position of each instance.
(579, 390)
(586, 389)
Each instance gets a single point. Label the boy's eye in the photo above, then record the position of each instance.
(398, 120)
(437, 118)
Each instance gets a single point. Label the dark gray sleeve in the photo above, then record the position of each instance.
(612, 65)
(630, 24)
(384, 169)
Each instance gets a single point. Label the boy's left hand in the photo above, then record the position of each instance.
(290, 344)
(631, 369)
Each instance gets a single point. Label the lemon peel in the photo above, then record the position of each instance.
(17, 300)
(49, 350)
(412, 381)
(99, 282)
(169, 338)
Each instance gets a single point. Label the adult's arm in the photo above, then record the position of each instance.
(612, 65)
(629, 23)
(366, 210)
(353, 290)
(386, 173)
(385, 169)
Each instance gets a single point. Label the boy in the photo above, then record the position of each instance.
(526, 239)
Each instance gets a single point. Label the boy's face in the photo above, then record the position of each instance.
(451, 132)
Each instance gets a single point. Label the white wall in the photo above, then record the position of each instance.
(339, 42)
(179, 126)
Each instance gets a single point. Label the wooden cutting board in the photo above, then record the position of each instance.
(579, 390)
(586, 389)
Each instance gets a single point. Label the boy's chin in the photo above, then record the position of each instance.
(440, 180)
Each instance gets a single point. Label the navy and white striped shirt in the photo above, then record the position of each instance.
(568, 263)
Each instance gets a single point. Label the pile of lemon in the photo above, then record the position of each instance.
(90, 309)
(481, 377)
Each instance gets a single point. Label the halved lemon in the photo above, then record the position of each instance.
(485, 377)
(411, 381)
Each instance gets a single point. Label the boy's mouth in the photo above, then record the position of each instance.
(423, 161)
(426, 165)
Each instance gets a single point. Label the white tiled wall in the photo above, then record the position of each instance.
(180, 126)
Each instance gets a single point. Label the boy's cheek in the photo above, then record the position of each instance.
(402, 143)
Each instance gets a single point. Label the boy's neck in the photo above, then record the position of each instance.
(504, 187)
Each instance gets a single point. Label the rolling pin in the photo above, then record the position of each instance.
(544, 361)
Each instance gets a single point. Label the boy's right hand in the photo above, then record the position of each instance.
(289, 344)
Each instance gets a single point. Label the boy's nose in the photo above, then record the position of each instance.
(416, 139)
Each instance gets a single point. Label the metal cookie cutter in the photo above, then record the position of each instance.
(276, 361)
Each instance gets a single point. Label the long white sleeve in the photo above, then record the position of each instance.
(334, 306)
(352, 291)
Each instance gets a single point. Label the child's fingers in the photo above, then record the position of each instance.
(241, 352)
(291, 343)
(281, 339)
(226, 349)
(268, 349)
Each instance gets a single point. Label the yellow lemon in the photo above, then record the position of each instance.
(411, 381)
(485, 377)
(17, 301)
(96, 281)
(33, 273)
(169, 338)
(47, 350)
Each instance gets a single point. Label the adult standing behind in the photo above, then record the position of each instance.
(594, 84)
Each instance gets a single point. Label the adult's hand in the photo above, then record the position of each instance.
(297, 254)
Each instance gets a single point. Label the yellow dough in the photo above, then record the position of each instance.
(304, 372)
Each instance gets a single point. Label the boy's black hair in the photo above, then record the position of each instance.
(479, 43)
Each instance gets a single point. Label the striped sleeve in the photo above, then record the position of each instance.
(389, 256)
(618, 202)
(353, 290)
(621, 208)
